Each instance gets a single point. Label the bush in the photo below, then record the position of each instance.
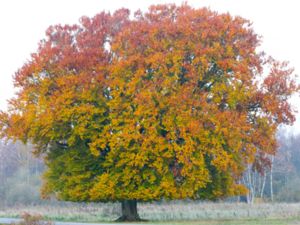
(28, 219)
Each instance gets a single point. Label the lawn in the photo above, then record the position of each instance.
(167, 213)
(229, 222)
(237, 222)
(225, 222)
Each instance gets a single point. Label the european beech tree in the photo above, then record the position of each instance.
(171, 103)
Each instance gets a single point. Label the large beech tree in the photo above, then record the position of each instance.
(172, 103)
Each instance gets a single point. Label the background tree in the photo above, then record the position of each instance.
(171, 104)
(287, 168)
(19, 174)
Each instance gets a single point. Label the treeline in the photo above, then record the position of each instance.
(287, 168)
(21, 171)
(278, 177)
(20, 174)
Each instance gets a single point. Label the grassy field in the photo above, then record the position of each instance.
(228, 222)
(190, 213)
(238, 222)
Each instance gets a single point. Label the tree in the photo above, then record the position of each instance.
(286, 167)
(171, 104)
(19, 174)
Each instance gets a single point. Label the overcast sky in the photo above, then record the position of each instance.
(23, 24)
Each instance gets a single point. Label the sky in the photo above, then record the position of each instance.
(23, 24)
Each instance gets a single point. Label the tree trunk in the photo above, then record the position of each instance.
(271, 179)
(263, 186)
(129, 211)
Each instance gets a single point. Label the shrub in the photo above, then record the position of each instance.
(28, 219)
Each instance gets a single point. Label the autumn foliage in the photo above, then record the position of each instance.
(172, 103)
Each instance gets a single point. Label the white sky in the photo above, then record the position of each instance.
(23, 24)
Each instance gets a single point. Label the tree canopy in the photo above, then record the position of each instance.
(170, 103)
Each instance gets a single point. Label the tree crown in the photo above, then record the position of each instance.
(171, 103)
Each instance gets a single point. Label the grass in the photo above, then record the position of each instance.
(180, 213)
(237, 222)
(228, 222)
